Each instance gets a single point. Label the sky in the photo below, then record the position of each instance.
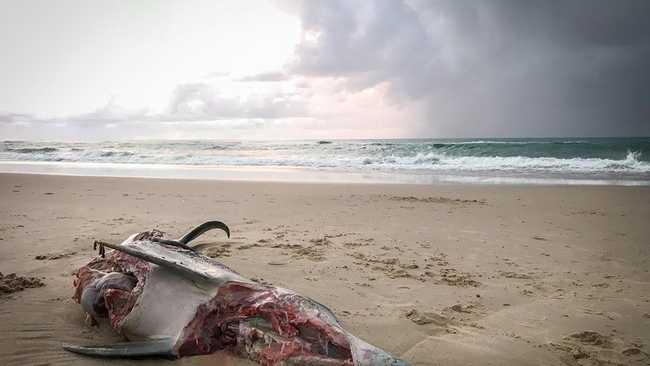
(87, 70)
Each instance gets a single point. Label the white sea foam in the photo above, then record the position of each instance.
(442, 162)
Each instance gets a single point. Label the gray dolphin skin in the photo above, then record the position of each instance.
(170, 301)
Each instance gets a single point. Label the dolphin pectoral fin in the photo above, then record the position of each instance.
(162, 257)
(194, 233)
(188, 264)
(155, 348)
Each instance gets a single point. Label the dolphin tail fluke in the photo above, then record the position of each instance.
(194, 233)
(154, 348)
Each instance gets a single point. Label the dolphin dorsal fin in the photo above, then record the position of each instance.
(199, 230)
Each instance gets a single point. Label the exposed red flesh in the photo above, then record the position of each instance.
(209, 330)
(119, 303)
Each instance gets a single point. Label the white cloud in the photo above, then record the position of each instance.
(270, 76)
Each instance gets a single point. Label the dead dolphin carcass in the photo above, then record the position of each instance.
(170, 301)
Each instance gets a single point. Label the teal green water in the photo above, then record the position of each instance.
(562, 148)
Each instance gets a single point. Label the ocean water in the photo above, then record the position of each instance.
(527, 160)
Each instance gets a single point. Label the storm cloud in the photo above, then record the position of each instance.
(491, 68)
(357, 69)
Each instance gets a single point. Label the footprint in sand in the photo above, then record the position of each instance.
(593, 348)
(428, 317)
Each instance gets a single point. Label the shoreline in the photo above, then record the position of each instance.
(464, 274)
(289, 174)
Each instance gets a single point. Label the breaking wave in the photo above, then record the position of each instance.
(36, 150)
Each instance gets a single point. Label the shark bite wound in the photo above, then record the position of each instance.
(109, 287)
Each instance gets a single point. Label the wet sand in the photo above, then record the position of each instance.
(437, 274)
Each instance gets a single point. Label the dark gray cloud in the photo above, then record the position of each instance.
(491, 68)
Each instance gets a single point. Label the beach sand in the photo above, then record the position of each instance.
(437, 274)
